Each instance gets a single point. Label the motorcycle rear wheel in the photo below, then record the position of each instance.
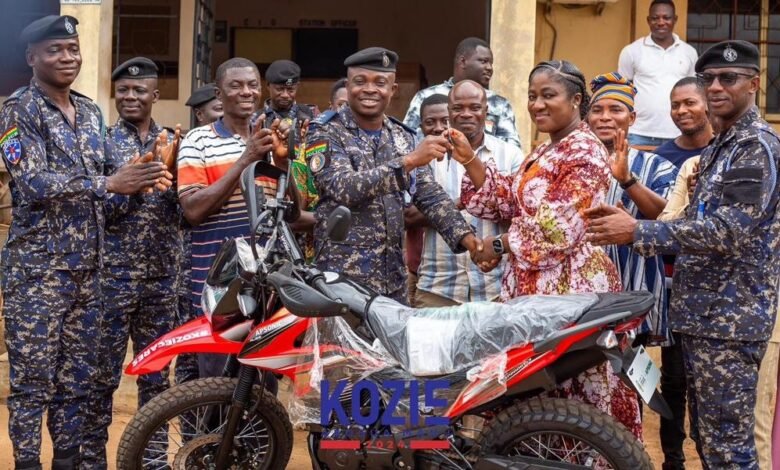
(564, 431)
(192, 415)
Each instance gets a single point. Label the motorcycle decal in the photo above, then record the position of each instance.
(167, 342)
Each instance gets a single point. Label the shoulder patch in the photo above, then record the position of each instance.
(398, 122)
(323, 118)
(11, 145)
(317, 155)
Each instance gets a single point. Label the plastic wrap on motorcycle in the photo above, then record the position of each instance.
(467, 333)
(340, 354)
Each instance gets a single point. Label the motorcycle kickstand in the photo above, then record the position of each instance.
(241, 397)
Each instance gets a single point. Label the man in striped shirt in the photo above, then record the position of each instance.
(446, 278)
(641, 182)
(210, 162)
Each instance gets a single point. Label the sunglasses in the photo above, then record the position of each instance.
(725, 78)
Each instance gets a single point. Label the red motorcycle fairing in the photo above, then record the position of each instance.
(195, 336)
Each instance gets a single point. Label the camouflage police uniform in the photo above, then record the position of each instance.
(139, 282)
(724, 291)
(50, 265)
(353, 169)
(500, 121)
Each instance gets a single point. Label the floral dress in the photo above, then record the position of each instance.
(548, 252)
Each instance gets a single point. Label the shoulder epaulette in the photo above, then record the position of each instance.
(325, 117)
(17, 93)
(398, 122)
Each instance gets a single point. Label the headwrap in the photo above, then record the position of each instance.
(614, 86)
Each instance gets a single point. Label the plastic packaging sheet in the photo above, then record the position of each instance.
(435, 341)
(460, 344)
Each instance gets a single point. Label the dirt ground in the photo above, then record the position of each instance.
(124, 406)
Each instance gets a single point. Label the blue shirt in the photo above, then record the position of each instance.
(676, 154)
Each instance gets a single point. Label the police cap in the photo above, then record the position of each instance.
(137, 67)
(202, 95)
(50, 27)
(734, 53)
(373, 58)
(283, 72)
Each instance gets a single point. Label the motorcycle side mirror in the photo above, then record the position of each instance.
(253, 196)
(339, 222)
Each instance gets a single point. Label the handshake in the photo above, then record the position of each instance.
(153, 170)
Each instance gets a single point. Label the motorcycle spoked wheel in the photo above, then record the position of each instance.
(194, 414)
(564, 431)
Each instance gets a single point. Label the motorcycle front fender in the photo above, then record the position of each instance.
(195, 336)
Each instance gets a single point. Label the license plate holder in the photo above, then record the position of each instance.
(644, 374)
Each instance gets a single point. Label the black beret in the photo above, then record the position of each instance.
(734, 53)
(373, 58)
(202, 95)
(49, 27)
(137, 67)
(283, 72)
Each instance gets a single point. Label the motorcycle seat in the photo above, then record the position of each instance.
(440, 341)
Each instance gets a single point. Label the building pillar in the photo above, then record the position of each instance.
(512, 39)
(95, 35)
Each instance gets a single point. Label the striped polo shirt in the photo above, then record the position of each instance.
(205, 155)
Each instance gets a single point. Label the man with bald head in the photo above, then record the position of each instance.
(447, 278)
(365, 160)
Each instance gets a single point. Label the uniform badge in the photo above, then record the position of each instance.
(730, 54)
(68, 26)
(12, 147)
(133, 70)
(289, 82)
(316, 155)
(385, 60)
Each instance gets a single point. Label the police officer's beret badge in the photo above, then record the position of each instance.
(317, 156)
(729, 54)
(133, 70)
(385, 60)
(12, 147)
(69, 26)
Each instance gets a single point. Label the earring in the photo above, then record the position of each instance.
(576, 106)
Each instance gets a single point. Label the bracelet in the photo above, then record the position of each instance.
(471, 160)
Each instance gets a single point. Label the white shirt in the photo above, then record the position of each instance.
(654, 71)
(441, 271)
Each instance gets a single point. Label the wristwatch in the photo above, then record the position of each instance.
(498, 246)
(634, 178)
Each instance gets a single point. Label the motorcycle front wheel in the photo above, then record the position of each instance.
(182, 428)
(570, 433)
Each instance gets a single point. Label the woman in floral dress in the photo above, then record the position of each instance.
(546, 243)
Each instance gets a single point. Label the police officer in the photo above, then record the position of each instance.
(366, 160)
(724, 291)
(205, 105)
(283, 77)
(141, 255)
(53, 145)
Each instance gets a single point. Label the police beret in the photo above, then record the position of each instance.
(283, 72)
(50, 27)
(202, 95)
(373, 58)
(734, 53)
(137, 67)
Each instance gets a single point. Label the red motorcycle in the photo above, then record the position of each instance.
(379, 385)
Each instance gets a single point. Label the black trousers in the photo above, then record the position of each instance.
(673, 389)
